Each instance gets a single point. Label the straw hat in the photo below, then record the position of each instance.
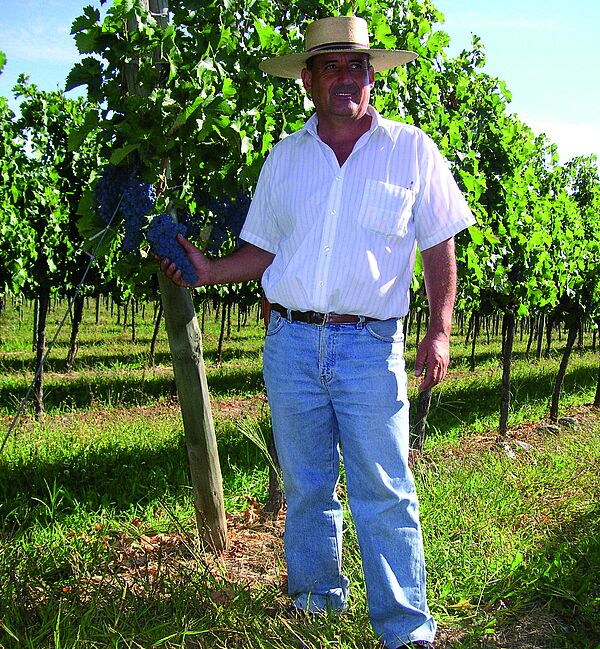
(336, 34)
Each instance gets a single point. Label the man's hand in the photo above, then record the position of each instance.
(433, 356)
(246, 263)
(200, 263)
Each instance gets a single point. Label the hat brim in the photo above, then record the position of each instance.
(290, 66)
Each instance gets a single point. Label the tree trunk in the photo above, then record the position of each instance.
(43, 302)
(75, 324)
(508, 330)
(475, 334)
(276, 500)
(549, 327)
(126, 315)
(157, 321)
(597, 396)
(419, 430)
(133, 322)
(532, 329)
(418, 334)
(562, 370)
(222, 334)
(36, 313)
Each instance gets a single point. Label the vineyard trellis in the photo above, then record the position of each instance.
(201, 103)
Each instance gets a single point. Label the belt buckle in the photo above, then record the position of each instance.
(320, 319)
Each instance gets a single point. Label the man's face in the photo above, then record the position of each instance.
(339, 84)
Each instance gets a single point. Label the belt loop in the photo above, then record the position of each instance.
(289, 315)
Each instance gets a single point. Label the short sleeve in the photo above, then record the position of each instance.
(441, 210)
(260, 227)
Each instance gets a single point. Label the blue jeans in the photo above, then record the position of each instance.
(345, 385)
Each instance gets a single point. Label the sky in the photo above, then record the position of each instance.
(545, 50)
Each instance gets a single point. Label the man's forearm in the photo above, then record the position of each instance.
(439, 270)
(249, 262)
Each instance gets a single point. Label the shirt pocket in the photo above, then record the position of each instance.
(385, 208)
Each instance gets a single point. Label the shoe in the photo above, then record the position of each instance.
(417, 644)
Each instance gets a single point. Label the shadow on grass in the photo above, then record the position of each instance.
(39, 490)
(87, 361)
(458, 403)
(187, 607)
(122, 390)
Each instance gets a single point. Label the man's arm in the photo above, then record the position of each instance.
(249, 262)
(439, 270)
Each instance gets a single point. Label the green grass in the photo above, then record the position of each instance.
(97, 526)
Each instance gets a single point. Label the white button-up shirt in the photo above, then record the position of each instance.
(344, 238)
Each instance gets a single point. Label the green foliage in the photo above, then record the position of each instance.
(41, 183)
(189, 91)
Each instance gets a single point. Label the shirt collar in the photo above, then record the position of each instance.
(376, 122)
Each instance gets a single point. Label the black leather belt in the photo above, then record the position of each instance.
(314, 317)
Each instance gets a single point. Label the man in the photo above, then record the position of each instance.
(337, 213)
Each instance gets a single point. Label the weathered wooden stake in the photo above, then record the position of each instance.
(185, 342)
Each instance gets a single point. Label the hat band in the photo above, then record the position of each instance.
(338, 46)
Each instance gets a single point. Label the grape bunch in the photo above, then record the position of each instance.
(162, 235)
(108, 191)
(192, 223)
(139, 199)
(228, 220)
(120, 190)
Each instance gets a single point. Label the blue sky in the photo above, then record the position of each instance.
(545, 50)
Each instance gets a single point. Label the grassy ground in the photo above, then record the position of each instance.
(96, 513)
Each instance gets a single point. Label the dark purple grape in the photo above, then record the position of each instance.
(108, 191)
(162, 235)
(227, 220)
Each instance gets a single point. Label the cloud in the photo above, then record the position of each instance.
(580, 139)
(38, 43)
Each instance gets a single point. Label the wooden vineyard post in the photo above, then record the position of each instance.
(185, 342)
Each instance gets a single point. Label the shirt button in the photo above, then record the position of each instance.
(326, 248)
(321, 283)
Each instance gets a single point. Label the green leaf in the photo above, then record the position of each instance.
(183, 117)
(91, 17)
(476, 235)
(78, 135)
(88, 72)
(118, 155)
(87, 42)
(2, 61)
(266, 34)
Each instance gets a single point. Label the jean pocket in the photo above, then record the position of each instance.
(389, 331)
(385, 208)
(276, 322)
